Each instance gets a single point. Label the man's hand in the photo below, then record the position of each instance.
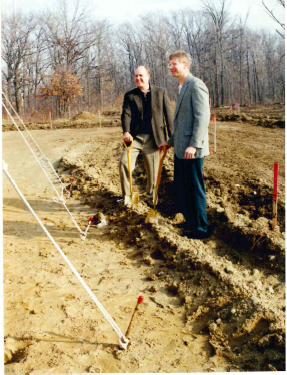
(190, 152)
(164, 144)
(127, 137)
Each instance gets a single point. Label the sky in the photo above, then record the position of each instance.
(118, 11)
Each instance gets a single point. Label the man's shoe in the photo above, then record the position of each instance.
(199, 235)
(184, 226)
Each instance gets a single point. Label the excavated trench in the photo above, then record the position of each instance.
(231, 285)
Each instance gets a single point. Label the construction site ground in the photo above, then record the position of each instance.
(216, 305)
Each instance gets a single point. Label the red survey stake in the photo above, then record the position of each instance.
(140, 300)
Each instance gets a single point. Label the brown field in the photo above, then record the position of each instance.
(216, 305)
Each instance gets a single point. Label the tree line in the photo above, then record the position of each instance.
(237, 63)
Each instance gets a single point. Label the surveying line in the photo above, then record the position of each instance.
(123, 341)
(25, 140)
(36, 144)
(60, 199)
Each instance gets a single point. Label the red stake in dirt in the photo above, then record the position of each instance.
(83, 236)
(140, 299)
(71, 185)
(275, 195)
(214, 132)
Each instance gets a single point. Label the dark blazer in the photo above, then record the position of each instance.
(162, 116)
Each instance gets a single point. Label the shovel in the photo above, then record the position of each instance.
(153, 215)
(133, 198)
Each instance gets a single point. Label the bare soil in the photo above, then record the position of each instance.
(216, 305)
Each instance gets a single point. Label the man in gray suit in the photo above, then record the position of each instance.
(190, 142)
(147, 120)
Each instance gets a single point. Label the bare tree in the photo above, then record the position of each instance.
(68, 34)
(219, 17)
(275, 18)
(197, 41)
(132, 48)
(17, 45)
(154, 32)
(237, 63)
(175, 27)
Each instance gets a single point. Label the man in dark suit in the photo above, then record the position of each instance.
(147, 119)
(190, 142)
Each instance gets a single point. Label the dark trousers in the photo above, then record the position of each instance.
(190, 192)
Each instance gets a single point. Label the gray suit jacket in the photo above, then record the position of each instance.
(191, 118)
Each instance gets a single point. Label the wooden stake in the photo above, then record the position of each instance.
(140, 299)
(275, 195)
(214, 132)
(50, 116)
(99, 112)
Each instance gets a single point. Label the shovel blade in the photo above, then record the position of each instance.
(152, 216)
(132, 199)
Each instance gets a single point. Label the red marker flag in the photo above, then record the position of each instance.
(140, 299)
(213, 118)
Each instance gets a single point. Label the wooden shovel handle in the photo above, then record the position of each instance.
(128, 148)
(162, 156)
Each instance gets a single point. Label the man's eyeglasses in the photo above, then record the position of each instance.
(171, 65)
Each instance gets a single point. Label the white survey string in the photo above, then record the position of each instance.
(123, 341)
(60, 199)
(38, 147)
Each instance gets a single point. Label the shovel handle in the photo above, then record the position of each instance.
(130, 144)
(128, 148)
(162, 156)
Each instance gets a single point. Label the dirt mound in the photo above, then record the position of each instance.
(256, 119)
(268, 116)
(84, 116)
(112, 113)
